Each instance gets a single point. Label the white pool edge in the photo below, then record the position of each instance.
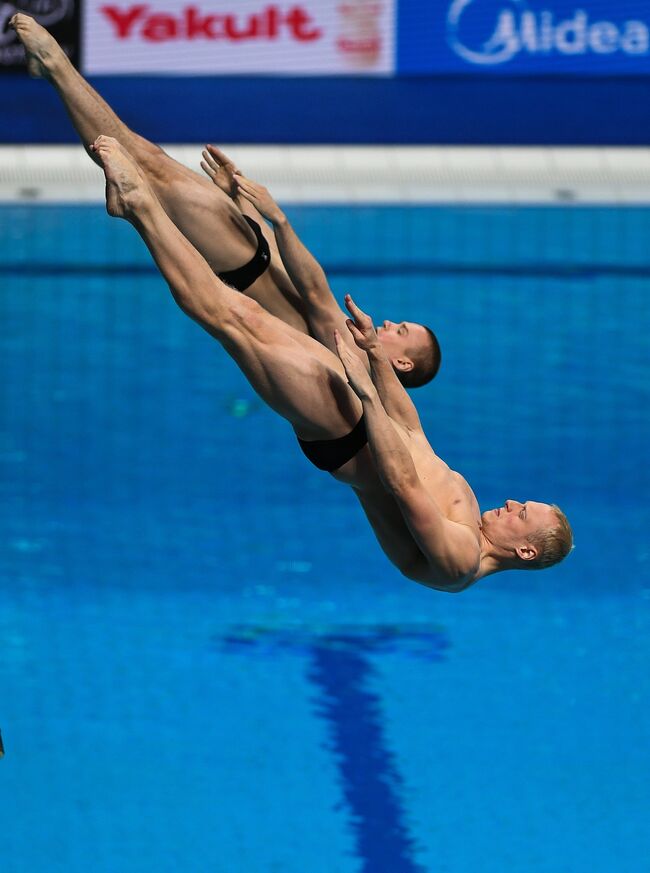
(366, 174)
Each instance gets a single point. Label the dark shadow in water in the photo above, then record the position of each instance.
(341, 672)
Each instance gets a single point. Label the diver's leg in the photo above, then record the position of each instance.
(89, 113)
(203, 213)
(295, 375)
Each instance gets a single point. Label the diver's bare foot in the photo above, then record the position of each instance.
(41, 49)
(126, 188)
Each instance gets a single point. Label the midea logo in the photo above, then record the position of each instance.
(518, 29)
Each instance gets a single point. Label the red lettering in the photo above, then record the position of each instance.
(231, 31)
(159, 28)
(298, 19)
(123, 21)
(269, 22)
(191, 23)
(197, 25)
(271, 28)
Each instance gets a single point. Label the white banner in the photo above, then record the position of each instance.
(241, 37)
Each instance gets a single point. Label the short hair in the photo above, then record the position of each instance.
(553, 544)
(426, 363)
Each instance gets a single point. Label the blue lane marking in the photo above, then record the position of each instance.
(340, 669)
(559, 270)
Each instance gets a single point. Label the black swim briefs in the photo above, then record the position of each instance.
(329, 455)
(243, 278)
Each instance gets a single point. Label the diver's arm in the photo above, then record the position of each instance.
(304, 270)
(450, 552)
(323, 313)
(394, 397)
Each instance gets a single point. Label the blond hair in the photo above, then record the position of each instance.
(553, 544)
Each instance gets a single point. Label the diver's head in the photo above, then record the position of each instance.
(527, 536)
(413, 350)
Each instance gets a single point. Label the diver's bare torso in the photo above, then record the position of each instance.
(450, 491)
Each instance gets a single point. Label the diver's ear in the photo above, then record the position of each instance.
(527, 552)
(404, 365)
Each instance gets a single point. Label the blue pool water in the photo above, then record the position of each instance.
(206, 664)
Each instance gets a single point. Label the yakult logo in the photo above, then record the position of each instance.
(517, 28)
(191, 23)
(238, 37)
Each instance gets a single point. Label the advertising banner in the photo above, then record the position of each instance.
(239, 37)
(524, 37)
(61, 17)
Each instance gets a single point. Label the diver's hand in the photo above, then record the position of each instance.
(220, 168)
(361, 327)
(260, 197)
(355, 369)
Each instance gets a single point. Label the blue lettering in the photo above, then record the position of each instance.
(519, 29)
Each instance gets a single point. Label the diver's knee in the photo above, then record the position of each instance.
(249, 314)
(154, 161)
